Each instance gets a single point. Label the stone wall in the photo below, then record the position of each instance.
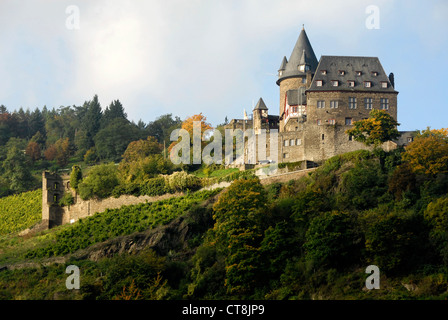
(86, 208)
(54, 186)
(285, 177)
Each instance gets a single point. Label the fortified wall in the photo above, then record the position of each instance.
(54, 187)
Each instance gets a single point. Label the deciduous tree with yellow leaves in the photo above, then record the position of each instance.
(378, 128)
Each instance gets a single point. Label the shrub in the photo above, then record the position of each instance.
(394, 241)
(67, 199)
(180, 181)
(331, 240)
(100, 182)
(75, 177)
(436, 216)
(154, 187)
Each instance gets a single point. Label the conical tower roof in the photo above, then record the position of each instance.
(261, 105)
(302, 53)
(283, 65)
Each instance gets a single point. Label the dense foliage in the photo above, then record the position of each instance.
(44, 139)
(310, 238)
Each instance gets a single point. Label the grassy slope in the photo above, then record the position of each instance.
(20, 211)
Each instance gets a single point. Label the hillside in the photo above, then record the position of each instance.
(21, 211)
(306, 239)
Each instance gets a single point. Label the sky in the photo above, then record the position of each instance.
(217, 57)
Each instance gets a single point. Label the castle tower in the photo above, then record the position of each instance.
(260, 116)
(52, 191)
(297, 72)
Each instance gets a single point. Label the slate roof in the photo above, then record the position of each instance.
(302, 52)
(260, 105)
(367, 66)
(296, 97)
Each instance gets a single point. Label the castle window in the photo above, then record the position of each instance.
(56, 186)
(348, 121)
(320, 104)
(410, 139)
(323, 72)
(332, 121)
(291, 142)
(334, 104)
(350, 138)
(351, 83)
(341, 72)
(303, 80)
(298, 142)
(319, 122)
(374, 73)
(384, 103)
(334, 83)
(286, 143)
(352, 103)
(367, 84)
(323, 137)
(319, 83)
(285, 155)
(358, 73)
(368, 102)
(384, 84)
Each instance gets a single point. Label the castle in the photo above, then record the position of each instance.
(320, 100)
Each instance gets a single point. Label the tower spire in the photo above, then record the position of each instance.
(302, 53)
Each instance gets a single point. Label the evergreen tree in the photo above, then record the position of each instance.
(114, 111)
(92, 119)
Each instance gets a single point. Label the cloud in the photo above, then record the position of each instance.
(180, 57)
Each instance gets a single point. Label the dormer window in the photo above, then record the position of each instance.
(367, 84)
(374, 73)
(351, 83)
(358, 73)
(304, 67)
(341, 72)
(319, 83)
(324, 72)
(334, 83)
(384, 84)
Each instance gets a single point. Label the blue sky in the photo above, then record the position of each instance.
(217, 57)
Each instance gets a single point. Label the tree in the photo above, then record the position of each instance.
(428, 153)
(62, 151)
(112, 141)
(16, 170)
(140, 149)
(92, 119)
(33, 151)
(162, 127)
(50, 153)
(331, 240)
(75, 177)
(377, 129)
(113, 111)
(59, 151)
(239, 233)
(100, 182)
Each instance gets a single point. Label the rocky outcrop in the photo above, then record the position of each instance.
(175, 236)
